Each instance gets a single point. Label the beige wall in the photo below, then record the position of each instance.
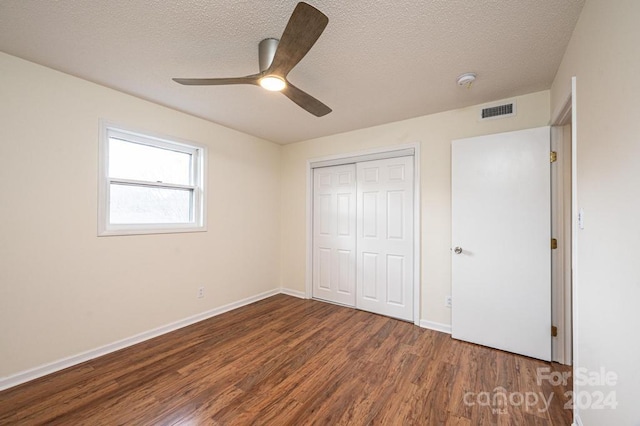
(604, 56)
(434, 132)
(63, 290)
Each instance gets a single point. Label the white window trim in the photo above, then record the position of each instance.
(199, 171)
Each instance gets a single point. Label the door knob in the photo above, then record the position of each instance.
(457, 250)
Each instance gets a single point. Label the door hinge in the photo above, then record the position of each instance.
(554, 331)
(554, 244)
(553, 156)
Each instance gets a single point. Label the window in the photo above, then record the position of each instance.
(149, 185)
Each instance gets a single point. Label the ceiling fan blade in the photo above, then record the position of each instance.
(305, 26)
(249, 79)
(305, 100)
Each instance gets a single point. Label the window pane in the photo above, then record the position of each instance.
(139, 204)
(128, 160)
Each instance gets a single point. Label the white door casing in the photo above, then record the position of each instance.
(384, 278)
(334, 228)
(501, 280)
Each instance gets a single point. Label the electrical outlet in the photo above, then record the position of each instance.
(200, 292)
(447, 301)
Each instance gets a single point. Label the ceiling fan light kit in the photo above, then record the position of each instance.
(272, 83)
(278, 57)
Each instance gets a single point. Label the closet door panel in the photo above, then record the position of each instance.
(384, 270)
(334, 234)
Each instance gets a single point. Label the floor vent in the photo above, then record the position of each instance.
(498, 111)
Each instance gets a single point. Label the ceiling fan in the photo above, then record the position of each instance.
(277, 59)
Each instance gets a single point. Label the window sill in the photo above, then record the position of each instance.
(150, 230)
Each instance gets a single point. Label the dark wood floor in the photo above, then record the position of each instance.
(289, 361)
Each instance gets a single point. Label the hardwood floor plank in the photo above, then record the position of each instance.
(289, 361)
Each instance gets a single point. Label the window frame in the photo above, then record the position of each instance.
(196, 187)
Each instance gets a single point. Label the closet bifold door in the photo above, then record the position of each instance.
(334, 234)
(384, 263)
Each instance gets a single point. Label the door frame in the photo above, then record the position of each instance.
(367, 155)
(564, 281)
(569, 111)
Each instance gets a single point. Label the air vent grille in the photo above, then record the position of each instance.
(498, 111)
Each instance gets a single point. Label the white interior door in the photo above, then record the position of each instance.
(334, 234)
(501, 272)
(385, 237)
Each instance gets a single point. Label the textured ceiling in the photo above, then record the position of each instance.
(376, 62)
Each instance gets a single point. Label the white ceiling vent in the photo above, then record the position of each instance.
(502, 110)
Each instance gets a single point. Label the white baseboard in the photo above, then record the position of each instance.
(431, 325)
(294, 293)
(43, 370)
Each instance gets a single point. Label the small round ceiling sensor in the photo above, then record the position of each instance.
(466, 79)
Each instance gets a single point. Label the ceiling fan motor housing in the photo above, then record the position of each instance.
(266, 51)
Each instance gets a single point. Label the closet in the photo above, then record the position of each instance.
(363, 236)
